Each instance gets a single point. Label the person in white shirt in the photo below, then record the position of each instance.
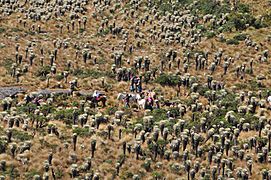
(96, 94)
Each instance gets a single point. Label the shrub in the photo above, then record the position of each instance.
(46, 109)
(210, 34)
(90, 73)
(59, 173)
(240, 21)
(31, 173)
(232, 42)
(111, 110)
(81, 131)
(7, 63)
(26, 108)
(81, 30)
(2, 30)
(212, 7)
(158, 175)
(266, 20)
(159, 114)
(230, 102)
(168, 80)
(21, 136)
(11, 172)
(103, 32)
(16, 30)
(65, 114)
(240, 37)
(243, 8)
(43, 71)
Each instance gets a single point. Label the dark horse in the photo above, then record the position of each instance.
(95, 101)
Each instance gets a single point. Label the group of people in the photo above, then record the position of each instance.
(147, 99)
(136, 84)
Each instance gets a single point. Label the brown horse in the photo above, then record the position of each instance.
(95, 101)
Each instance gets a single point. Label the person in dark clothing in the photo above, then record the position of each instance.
(127, 101)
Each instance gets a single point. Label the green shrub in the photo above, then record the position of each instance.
(46, 109)
(168, 80)
(232, 42)
(230, 102)
(7, 63)
(88, 73)
(2, 30)
(159, 114)
(210, 34)
(21, 136)
(16, 30)
(81, 30)
(11, 172)
(240, 21)
(243, 8)
(212, 7)
(59, 173)
(43, 71)
(111, 110)
(240, 37)
(81, 131)
(31, 173)
(266, 20)
(59, 77)
(26, 108)
(65, 115)
(103, 32)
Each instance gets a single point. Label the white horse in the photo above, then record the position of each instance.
(141, 102)
(134, 98)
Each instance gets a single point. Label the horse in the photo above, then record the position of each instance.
(142, 103)
(95, 101)
(132, 97)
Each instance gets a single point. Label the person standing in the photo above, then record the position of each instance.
(127, 101)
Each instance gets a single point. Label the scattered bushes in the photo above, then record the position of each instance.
(21, 136)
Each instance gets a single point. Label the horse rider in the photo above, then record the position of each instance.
(96, 95)
(138, 85)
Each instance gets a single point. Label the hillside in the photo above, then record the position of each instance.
(206, 61)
